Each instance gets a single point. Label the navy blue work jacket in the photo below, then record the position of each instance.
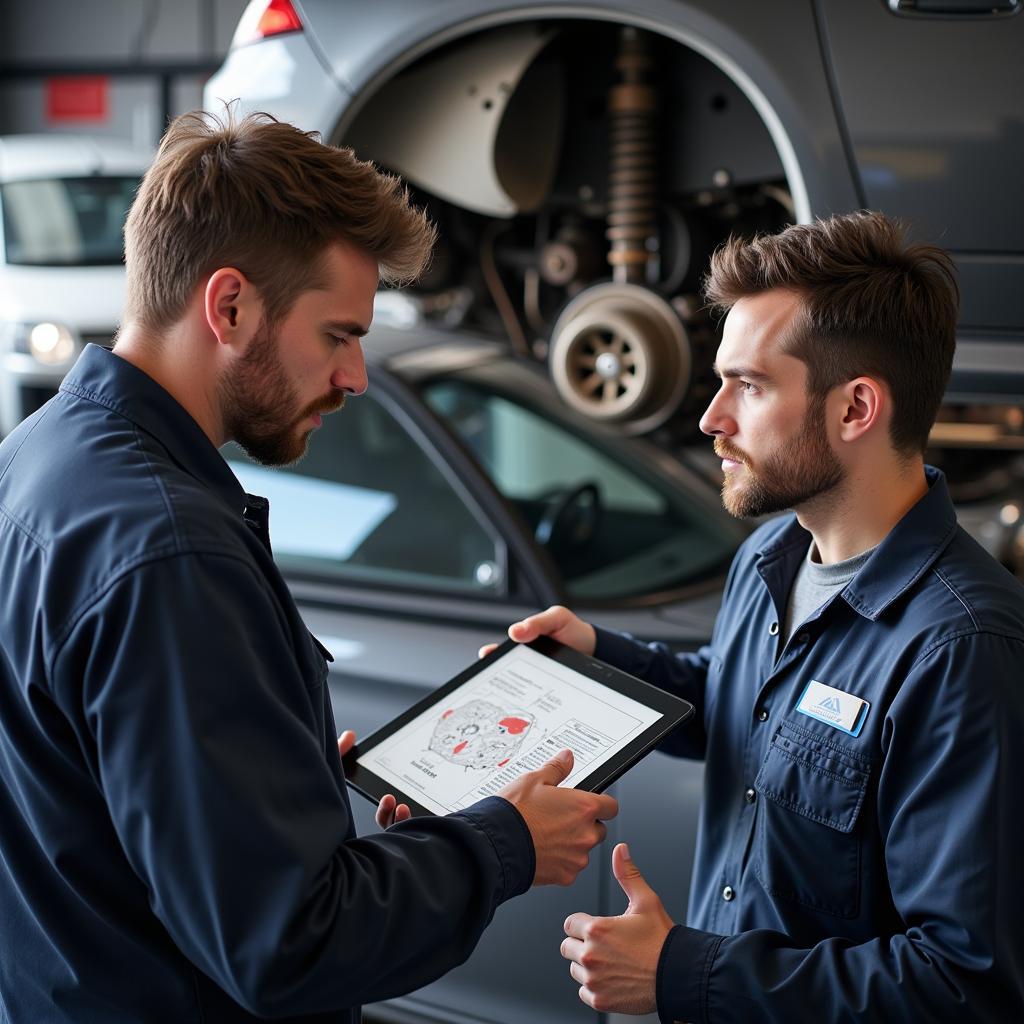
(176, 841)
(841, 877)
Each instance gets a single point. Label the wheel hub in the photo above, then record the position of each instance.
(620, 353)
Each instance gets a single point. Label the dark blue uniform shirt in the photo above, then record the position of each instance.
(176, 841)
(873, 872)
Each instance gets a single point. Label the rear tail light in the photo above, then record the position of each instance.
(263, 19)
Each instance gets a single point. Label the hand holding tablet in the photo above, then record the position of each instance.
(508, 715)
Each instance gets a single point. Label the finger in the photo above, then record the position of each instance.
(607, 808)
(571, 949)
(522, 632)
(628, 876)
(385, 811)
(575, 924)
(579, 974)
(402, 812)
(346, 741)
(548, 621)
(486, 649)
(552, 772)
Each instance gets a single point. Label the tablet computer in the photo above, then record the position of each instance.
(507, 714)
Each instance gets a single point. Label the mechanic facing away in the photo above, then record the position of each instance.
(176, 840)
(861, 703)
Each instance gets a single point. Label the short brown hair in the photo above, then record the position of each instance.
(872, 305)
(260, 195)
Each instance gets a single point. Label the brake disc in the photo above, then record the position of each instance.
(620, 353)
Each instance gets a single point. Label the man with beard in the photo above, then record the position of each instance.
(861, 702)
(176, 840)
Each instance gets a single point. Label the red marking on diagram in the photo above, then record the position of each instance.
(515, 725)
(447, 713)
(461, 747)
(501, 764)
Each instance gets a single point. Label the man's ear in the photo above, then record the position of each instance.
(864, 407)
(232, 306)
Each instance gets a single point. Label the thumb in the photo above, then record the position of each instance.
(346, 741)
(627, 874)
(556, 770)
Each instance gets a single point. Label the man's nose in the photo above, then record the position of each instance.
(350, 376)
(716, 422)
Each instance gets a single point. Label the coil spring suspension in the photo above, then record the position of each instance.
(632, 163)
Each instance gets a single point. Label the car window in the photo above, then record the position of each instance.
(66, 221)
(367, 503)
(626, 532)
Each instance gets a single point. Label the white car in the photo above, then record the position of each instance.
(63, 202)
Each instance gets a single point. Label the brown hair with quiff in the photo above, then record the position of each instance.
(872, 305)
(261, 196)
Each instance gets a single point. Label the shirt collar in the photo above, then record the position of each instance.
(105, 378)
(900, 560)
(908, 552)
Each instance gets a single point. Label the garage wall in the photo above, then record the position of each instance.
(108, 67)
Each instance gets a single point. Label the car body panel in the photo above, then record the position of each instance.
(285, 77)
(919, 134)
(936, 125)
(753, 43)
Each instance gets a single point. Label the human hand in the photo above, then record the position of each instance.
(615, 959)
(556, 622)
(566, 824)
(389, 810)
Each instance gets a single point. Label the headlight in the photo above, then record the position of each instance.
(49, 343)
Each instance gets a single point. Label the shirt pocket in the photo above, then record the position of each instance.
(808, 847)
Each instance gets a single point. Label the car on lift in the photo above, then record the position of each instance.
(63, 202)
(456, 496)
(582, 159)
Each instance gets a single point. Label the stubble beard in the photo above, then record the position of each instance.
(806, 470)
(258, 400)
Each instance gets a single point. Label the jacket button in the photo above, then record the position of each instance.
(728, 893)
(762, 715)
(750, 796)
(773, 629)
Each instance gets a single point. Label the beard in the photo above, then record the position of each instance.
(261, 406)
(803, 469)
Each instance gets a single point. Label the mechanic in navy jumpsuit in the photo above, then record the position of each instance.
(860, 855)
(176, 840)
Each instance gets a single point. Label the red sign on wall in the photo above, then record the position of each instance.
(77, 98)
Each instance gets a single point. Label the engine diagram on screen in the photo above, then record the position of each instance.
(480, 735)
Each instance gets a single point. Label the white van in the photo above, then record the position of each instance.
(63, 201)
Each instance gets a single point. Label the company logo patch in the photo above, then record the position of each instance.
(841, 710)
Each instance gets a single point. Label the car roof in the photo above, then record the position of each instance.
(24, 157)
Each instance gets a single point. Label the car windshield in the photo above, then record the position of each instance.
(66, 221)
(615, 528)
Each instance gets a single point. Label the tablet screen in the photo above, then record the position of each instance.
(510, 717)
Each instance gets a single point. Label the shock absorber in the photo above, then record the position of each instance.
(619, 351)
(632, 160)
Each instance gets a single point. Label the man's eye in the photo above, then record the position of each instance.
(747, 387)
(337, 339)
